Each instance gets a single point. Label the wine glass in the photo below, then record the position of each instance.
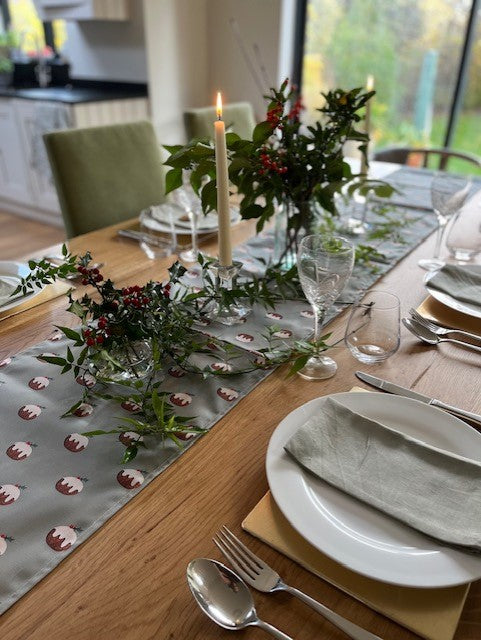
(324, 264)
(186, 198)
(448, 193)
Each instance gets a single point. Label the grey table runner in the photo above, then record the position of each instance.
(57, 486)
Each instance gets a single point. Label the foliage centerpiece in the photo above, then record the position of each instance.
(286, 164)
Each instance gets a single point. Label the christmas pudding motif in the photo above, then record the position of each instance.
(180, 399)
(307, 313)
(47, 354)
(273, 315)
(75, 442)
(130, 478)
(9, 493)
(221, 366)
(192, 274)
(29, 411)
(203, 322)
(212, 346)
(176, 372)
(56, 336)
(129, 437)
(39, 382)
(282, 333)
(227, 394)
(83, 410)
(260, 361)
(62, 538)
(181, 435)
(70, 485)
(244, 337)
(5, 362)
(131, 405)
(3, 543)
(86, 380)
(20, 450)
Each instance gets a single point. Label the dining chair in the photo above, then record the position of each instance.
(238, 116)
(104, 175)
(420, 157)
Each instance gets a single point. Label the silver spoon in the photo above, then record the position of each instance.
(424, 334)
(224, 597)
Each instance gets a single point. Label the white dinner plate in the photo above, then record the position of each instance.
(354, 534)
(449, 301)
(206, 223)
(12, 273)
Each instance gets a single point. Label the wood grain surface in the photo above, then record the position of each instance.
(127, 581)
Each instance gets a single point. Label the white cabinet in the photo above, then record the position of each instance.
(41, 183)
(83, 9)
(14, 179)
(26, 185)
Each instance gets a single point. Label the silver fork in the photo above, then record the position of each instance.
(259, 575)
(438, 329)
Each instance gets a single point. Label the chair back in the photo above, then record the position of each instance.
(238, 117)
(420, 157)
(104, 175)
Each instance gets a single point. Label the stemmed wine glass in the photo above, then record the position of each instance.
(448, 194)
(324, 264)
(188, 200)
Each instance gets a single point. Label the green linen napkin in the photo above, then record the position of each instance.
(462, 283)
(434, 491)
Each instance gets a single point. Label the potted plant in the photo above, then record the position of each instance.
(287, 169)
(8, 41)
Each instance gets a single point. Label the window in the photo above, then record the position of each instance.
(415, 50)
(25, 22)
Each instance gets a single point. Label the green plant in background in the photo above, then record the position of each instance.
(8, 41)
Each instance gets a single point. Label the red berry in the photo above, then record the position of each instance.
(90, 342)
(85, 281)
(146, 300)
(95, 271)
(99, 278)
(100, 339)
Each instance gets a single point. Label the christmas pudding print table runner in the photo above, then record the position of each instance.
(57, 486)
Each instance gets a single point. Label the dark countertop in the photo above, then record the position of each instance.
(79, 91)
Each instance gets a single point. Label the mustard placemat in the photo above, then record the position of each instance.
(50, 292)
(431, 613)
(440, 313)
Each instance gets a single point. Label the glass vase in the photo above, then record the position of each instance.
(123, 362)
(293, 221)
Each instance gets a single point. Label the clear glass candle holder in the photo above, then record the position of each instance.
(372, 332)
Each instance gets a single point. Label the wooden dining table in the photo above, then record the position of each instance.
(128, 580)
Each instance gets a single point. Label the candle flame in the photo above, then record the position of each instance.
(370, 83)
(219, 106)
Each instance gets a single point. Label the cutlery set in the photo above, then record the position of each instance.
(225, 598)
(433, 334)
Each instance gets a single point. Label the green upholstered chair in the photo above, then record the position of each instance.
(238, 117)
(104, 175)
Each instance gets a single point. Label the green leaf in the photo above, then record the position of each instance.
(261, 132)
(173, 180)
(130, 453)
(209, 196)
(70, 333)
(298, 364)
(53, 360)
(158, 405)
(70, 357)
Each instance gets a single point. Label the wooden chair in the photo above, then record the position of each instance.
(238, 117)
(420, 157)
(104, 175)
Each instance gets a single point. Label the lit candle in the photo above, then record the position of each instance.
(222, 173)
(367, 120)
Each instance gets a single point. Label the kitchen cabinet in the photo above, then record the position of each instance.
(83, 9)
(14, 180)
(26, 185)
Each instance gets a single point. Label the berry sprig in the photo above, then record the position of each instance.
(90, 275)
(271, 164)
(135, 297)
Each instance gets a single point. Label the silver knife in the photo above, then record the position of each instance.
(141, 237)
(397, 390)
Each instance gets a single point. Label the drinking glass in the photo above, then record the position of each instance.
(464, 235)
(448, 194)
(159, 237)
(324, 263)
(372, 332)
(186, 198)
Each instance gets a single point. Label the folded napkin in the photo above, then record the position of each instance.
(462, 283)
(6, 288)
(434, 491)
